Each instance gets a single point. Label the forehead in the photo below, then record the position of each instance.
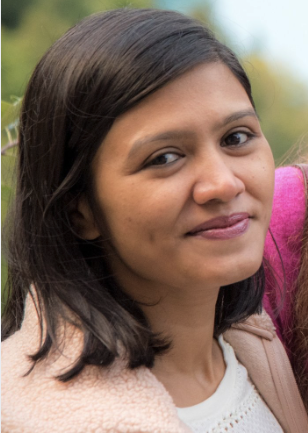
(200, 98)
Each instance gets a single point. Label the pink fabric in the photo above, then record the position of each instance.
(287, 228)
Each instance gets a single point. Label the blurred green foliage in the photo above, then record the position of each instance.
(39, 24)
(282, 104)
(9, 126)
(9, 132)
(31, 26)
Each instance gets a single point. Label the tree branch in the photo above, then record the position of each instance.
(8, 146)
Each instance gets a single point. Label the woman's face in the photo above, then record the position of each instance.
(185, 183)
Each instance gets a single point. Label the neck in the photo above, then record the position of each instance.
(193, 367)
(183, 313)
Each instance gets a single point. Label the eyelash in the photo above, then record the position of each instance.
(151, 163)
(249, 135)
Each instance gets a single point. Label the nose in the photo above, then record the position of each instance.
(217, 180)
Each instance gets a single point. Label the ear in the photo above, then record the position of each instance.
(83, 220)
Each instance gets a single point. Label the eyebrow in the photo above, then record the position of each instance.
(182, 134)
(239, 115)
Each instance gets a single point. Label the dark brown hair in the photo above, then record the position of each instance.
(98, 70)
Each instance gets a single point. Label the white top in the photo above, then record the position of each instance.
(235, 407)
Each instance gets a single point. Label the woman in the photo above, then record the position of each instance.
(144, 196)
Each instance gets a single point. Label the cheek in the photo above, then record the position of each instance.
(263, 180)
(135, 211)
(268, 174)
(140, 222)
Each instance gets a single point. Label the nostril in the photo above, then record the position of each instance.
(218, 189)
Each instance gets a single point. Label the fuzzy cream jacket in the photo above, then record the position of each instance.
(120, 400)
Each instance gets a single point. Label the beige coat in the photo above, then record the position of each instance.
(120, 400)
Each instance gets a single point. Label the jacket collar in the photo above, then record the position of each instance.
(258, 324)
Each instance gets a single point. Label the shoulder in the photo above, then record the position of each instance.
(98, 400)
(258, 348)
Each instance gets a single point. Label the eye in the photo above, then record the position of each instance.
(163, 159)
(237, 139)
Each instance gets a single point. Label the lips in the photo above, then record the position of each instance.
(223, 227)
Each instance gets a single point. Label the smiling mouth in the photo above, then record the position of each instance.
(224, 227)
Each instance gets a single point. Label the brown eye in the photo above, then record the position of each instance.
(164, 159)
(237, 139)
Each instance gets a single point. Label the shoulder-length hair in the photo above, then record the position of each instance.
(98, 70)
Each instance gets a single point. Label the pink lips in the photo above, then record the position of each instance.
(224, 227)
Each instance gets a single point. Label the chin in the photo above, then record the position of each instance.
(235, 271)
(241, 274)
